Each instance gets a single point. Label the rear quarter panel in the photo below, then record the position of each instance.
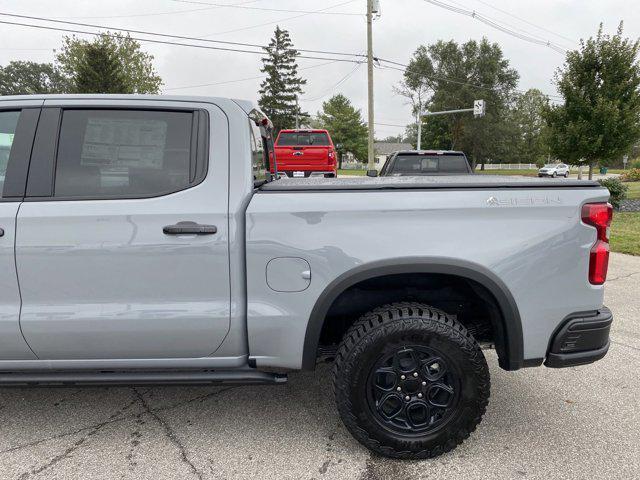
(532, 240)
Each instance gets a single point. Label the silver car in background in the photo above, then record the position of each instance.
(554, 170)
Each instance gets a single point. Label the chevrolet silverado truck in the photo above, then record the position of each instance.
(144, 241)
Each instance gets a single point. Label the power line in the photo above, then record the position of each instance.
(286, 19)
(167, 35)
(155, 14)
(496, 25)
(319, 12)
(572, 40)
(446, 79)
(259, 77)
(332, 88)
(210, 47)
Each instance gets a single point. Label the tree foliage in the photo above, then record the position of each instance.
(280, 90)
(600, 117)
(99, 72)
(457, 75)
(530, 132)
(29, 78)
(130, 69)
(345, 124)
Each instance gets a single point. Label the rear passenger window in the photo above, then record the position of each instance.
(8, 124)
(125, 153)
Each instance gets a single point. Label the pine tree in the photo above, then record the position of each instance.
(100, 72)
(280, 90)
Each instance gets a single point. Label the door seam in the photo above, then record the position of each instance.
(15, 263)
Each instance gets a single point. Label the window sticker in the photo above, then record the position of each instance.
(124, 143)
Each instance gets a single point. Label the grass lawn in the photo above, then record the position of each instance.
(352, 172)
(625, 233)
(634, 190)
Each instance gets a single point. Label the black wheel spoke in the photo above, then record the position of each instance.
(440, 395)
(390, 406)
(434, 368)
(418, 414)
(406, 360)
(385, 379)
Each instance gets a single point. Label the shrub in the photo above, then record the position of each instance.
(632, 175)
(635, 163)
(617, 189)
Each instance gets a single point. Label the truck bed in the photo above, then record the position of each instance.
(423, 183)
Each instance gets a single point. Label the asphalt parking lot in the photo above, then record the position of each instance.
(541, 423)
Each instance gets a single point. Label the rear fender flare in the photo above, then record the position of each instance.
(511, 326)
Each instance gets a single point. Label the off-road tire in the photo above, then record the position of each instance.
(394, 326)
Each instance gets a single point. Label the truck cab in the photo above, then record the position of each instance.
(305, 153)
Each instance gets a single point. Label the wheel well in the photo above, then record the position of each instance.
(471, 302)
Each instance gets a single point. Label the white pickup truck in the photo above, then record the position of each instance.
(143, 240)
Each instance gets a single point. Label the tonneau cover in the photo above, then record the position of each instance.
(422, 182)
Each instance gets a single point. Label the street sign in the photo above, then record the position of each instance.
(625, 159)
(478, 108)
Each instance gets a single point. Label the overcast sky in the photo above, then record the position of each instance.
(403, 25)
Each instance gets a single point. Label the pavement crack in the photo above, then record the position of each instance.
(114, 419)
(170, 434)
(622, 277)
(76, 445)
(625, 345)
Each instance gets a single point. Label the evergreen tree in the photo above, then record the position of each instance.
(280, 90)
(100, 72)
(136, 73)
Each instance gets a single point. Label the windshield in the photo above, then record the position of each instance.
(551, 166)
(290, 139)
(429, 164)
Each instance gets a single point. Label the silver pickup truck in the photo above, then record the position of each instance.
(144, 241)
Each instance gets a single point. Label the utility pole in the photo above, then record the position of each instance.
(419, 128)
(297, 111)
(371, 153)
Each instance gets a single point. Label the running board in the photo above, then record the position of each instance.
(188, 377)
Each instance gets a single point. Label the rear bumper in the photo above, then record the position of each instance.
(581, 339)
(327, 173)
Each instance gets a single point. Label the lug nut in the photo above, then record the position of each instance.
(424, 384)
(415, 374)
(399, 389)
(419, 395)
(407, 398)
(402, 377)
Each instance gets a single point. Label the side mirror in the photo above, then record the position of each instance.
(372, 173)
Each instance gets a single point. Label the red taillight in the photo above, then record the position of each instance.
(598, 215)
(332, 156)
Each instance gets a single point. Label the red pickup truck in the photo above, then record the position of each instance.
(305, 153)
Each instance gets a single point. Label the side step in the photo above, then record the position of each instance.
(137, 377)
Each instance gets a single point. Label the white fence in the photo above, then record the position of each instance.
(508, 166)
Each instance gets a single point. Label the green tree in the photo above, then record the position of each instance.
(28, 78)
(280, 90)
(457, 75)
(135, 70)
(345, 124)
(99, 72)
(529, 127)
(600, 117)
